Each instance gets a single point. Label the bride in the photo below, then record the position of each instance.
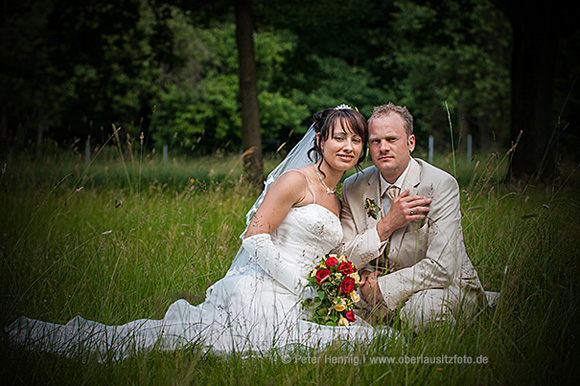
(257, 306)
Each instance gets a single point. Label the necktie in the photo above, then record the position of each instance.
(392, 192)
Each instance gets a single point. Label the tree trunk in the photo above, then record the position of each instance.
(251, 136)
(3, 135)
(532, 89)
(535, 46)
(40, 129)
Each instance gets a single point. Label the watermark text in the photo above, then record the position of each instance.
(357, 360)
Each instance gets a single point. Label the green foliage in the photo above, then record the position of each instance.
(336, 82)
(450, 52)
(32, 90)
(115, 70)
(170, 69)
(279, 114)
(429, 54)
(205, 113)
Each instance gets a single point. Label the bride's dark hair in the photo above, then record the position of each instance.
(327, 120)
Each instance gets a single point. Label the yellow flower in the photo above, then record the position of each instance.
(343, 322)
(339, 304)
(191, 181)
(342, 258)
(355, 276)
(354, 296)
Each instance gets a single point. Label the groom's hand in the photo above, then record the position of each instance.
(404, 209)
(369, 289)
(364, 274)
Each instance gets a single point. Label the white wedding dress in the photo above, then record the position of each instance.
(255, 308)
(246, 311)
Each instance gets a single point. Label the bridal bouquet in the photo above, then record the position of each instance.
(335, 282)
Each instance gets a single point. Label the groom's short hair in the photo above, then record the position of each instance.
(390, 108)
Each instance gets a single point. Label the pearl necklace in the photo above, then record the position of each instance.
(328, 190)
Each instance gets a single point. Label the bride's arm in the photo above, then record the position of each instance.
(264, 252)
(361, 242)
(288, 191)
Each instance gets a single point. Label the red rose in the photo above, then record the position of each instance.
(321, 275)
(345, 268)
(347, 285)
(349, 315)
(331, 261)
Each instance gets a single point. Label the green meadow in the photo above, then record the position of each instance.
(123, 237)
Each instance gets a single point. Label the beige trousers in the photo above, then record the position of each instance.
(426, 308)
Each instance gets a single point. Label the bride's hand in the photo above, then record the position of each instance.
(404, 209)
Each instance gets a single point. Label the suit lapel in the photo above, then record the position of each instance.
(413, 178)
(411, 182)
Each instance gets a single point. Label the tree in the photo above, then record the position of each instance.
(198, 110)
(251, 137)
(536, 35)
(434, 54)
(32, 89)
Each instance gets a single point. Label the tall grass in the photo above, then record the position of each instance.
(115, 242)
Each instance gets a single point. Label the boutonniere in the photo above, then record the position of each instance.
(372, 208)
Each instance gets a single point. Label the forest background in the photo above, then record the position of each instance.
(166, 72)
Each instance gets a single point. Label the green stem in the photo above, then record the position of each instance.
(452, 141)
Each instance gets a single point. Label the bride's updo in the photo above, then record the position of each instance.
(340, 116)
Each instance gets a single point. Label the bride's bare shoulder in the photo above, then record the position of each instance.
(295, 176)
(292, 186)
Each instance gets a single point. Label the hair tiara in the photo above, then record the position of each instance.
(343, 107)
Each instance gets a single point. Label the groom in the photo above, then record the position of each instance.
(402, 228)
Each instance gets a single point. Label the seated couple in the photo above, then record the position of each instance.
(399, 222)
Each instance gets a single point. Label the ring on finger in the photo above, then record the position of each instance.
(411, 211)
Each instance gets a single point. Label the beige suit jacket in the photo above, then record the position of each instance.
(423, 255)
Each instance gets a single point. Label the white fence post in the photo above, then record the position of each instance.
(431, 148)
(88, 151)
(469, 147)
